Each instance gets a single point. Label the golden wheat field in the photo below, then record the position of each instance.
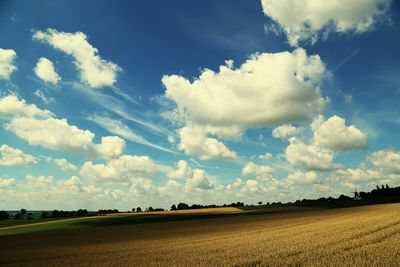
(358, 236)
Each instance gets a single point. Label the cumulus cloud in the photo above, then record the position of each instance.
(65, 165)
(299, 177)
(58, 134)
(198, 181)
(94, 71)
(263, 172)
(120, 169)
(183, 171)
(309, 20)
(7, 67)
(12, 106)
(44, 69)
(39, 180)
(15, 157)
(286, 130)
(309, 156)
(6, 182)
(386, 159)
(195, 179)
(142, 186)
(194, 141)
(268, 88)
(334, 134)
(359, 177)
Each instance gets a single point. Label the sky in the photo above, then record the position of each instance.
(149, 103)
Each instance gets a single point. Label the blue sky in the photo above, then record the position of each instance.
(208, 102)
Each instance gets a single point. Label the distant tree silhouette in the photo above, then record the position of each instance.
(149, 209)
(4, 215)
(138, 209)
(259, 202)
(387, 187)
(343, 197)
(173, 207)
(182, 206)
(17, 216)
(23, 212)
(133, 209)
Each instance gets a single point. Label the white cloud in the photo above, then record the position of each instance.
(360, 177)
(170, 188)
(194, 141)
(120, 129)
(57, 134)
(6, 182)
(65, 165)
(44, 69)
(265, 156)
(286, 130)
(299, 177)
(7, 67)
(15, 157)
(251, 186)
(268, 88)
(142, 186)
(120, 169)
(309, 156)
(91, 189)
(386, 159)
(117, 194)
(183, 171)
(171, 139)
(263, 172)
(12, 106)
(39, 180)
(198, 181)
(41, 96)
(95, 71)
(334, 134)
(308, 20)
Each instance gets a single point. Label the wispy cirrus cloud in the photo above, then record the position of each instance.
(118, 128)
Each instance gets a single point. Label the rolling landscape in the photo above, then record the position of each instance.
(282, 236)
(200, 133)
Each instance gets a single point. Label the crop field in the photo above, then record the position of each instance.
(356, 236)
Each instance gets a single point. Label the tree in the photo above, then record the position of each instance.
(133, 209)
(259, 202)
(149, 209)
(183, 206)
(4, 215)
(138, 209)
(23, 212)
(17, 216)
(55, 214)
(173, 207)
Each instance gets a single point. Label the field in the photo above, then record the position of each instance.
(356, 236)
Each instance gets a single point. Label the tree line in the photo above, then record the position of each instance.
(381, 192)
